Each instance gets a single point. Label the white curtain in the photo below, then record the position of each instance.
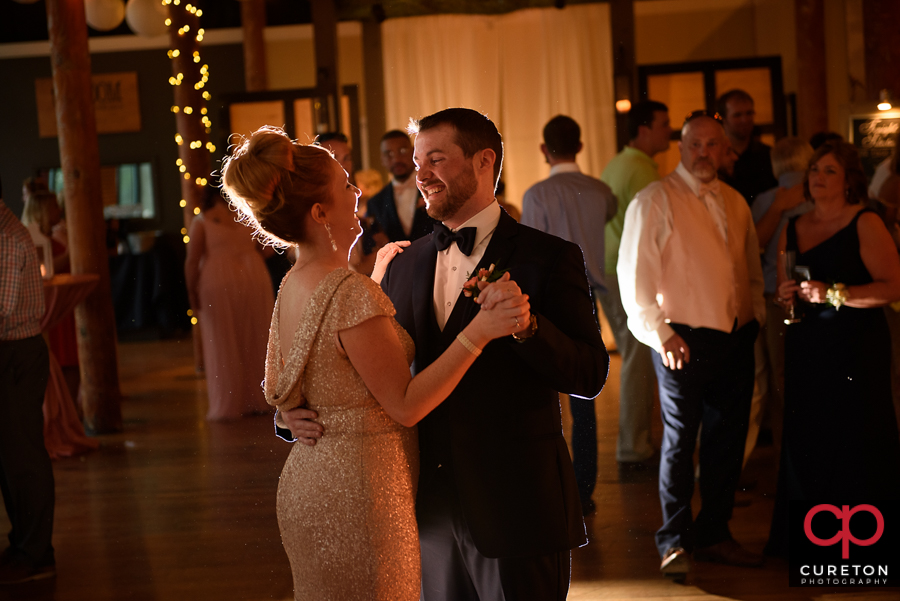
(520, 69)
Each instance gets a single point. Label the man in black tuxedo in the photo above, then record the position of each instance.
(497, 506)
(398, 209)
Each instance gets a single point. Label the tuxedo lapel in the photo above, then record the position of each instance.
(498, 252)
(423, 297)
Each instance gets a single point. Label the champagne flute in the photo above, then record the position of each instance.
(788, 263)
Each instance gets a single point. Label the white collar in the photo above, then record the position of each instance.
(485, 222)
(568, 167)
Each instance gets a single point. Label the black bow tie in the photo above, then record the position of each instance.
(464, 238)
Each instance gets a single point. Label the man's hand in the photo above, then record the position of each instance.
(675, 353)
(300, 422)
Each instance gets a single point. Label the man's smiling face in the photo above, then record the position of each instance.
(445, 176)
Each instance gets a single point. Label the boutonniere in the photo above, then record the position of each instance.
(471, 289)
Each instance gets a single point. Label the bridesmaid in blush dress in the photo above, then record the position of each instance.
(346, 504)
(230, 291)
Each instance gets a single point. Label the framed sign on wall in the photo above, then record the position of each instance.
(116, 103)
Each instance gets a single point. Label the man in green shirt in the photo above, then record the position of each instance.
(627, 174)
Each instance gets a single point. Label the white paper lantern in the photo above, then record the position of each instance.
(146, 17)
(104, 15)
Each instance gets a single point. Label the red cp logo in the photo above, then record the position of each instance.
(844, 514)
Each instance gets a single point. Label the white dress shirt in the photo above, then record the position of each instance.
(453, 268)
(406, 197)
(689, 259)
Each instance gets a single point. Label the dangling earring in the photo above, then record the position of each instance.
(330, 237)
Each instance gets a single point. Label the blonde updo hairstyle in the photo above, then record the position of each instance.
(273, 183)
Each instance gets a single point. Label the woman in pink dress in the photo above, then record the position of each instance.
(231, 294)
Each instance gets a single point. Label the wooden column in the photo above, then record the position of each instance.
(189, 125)
(191, 133)
(624, 68)
(882, 44)
(324, 16)
(812, 93)
(79, 153)
(373, 74)
(253, 22)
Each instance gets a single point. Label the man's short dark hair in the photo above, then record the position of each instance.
(642, 113)
(823, 137)
(395, 133)
(330, 136)
(562, 136)
(474, 132)
(735, 94)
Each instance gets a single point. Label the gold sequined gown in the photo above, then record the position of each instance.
(346, 505)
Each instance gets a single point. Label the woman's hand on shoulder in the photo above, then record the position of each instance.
(385, 255)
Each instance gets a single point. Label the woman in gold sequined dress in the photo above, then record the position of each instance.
(346, 505)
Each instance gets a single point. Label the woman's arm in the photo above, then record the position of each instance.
(785, 199)
(881, 260)
(377, 355)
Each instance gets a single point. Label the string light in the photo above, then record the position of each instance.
(193, 319)
(199, 84)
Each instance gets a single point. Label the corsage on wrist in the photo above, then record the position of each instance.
(837, 295)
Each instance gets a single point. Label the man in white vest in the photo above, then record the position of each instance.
(692, 287)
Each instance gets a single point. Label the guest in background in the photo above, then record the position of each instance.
(574, 207)
(339, 146)
(840, 432)
(888, 206)
(43, 212)
(771, 212)
(229, 291)
(819, 138)
(692, 288)
(511, 209)
(25, 470)
(369, 183)
(398, 208)
(628, 173)
(753, 168)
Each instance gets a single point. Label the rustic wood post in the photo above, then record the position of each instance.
(253, 22)
(812, 91)
(324, 16)
(99, 395)
(189, 74)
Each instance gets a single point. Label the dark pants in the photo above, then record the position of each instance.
(713, 390)
(454, 570)
(26, 475)
(584, 447)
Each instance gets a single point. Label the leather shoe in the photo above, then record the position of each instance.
(676, 563)
(729, 552)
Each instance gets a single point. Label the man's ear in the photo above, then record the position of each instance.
(485, 159)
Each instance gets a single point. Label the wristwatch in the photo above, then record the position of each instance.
(532, 331)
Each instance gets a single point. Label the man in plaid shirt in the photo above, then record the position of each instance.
(26, 475)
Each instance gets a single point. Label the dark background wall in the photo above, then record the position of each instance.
(23, 152)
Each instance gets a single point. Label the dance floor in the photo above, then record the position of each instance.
(175, 508)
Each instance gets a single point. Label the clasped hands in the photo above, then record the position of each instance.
(505, 310)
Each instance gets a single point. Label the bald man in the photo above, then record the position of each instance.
(692, 287)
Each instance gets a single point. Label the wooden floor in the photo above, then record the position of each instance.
(175, 508)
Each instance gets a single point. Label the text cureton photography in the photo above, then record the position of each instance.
(844, 543)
